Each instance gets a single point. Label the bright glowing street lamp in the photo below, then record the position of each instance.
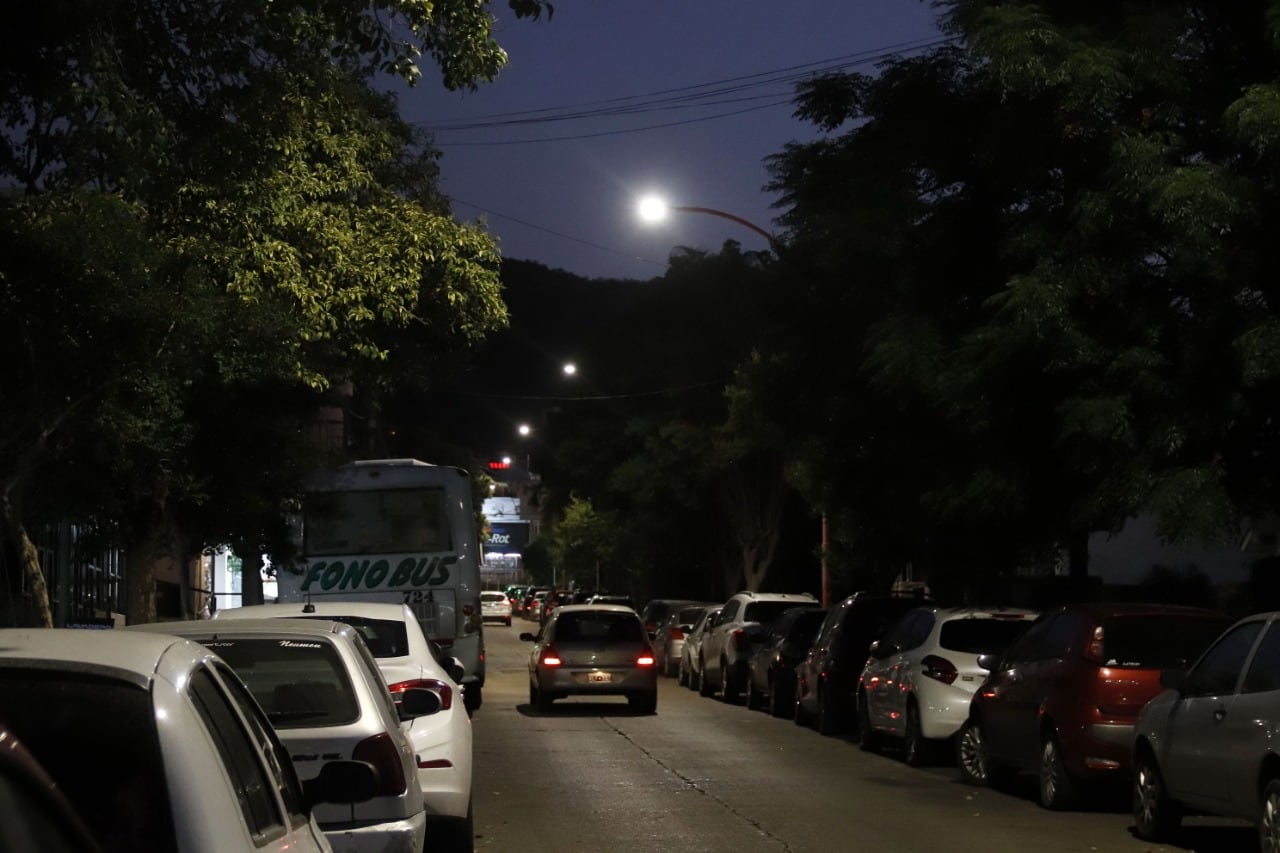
(653, 208)
(569, 369)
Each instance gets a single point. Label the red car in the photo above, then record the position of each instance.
(1063, 699)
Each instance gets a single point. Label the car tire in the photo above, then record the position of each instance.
(1269, 817)
(868, 738)
(1057, 790)
(452, 834)
(971, 755)
(670, 670)
(777, 702)
(755, 698)
(828, 722)
(1155, 816)
(644, 703)
(682, 675)
(916, 750)
(472, 697)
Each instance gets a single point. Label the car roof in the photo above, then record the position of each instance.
(131, 651)
(388, 610)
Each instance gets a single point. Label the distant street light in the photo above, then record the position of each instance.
(524, 429)
(570, 369)
(654, 209)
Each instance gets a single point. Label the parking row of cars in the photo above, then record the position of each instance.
(1176, 708)
(286, 727)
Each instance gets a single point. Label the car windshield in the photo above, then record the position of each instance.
(599, 626)
(980, 636)
(386, 638)
(96, 737)
(765, 612)
(1157, 641)
(299, 683)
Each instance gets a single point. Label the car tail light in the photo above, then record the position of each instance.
(939, 669)
(739, 638)
(467, 610)
(651, 627)
(676, 634)
(646, 659)
(435, 685)
(380, 751)
(1093, 651)
(550, 657)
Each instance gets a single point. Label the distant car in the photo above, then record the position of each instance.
(605, 598)
(1063, 699)
(656, 611)
(743, 623)
(495, 607)
(533, 596)
(827, 679)
(322, 691)
(919, 679)
(1207, 744)
(552, 600)
(592, 650)
(183, 757)
(772, 674)
(668, 640)
(690, 673)
(442, 742)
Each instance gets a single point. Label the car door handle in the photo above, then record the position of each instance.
(1219, 713)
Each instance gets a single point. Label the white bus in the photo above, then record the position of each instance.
(396, 530)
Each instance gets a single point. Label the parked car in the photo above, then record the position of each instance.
(495, 607)
(606, 598)
(552, 600)
(593, 650)
(690, 673)
(1207, 744)
(772, 669)
(827, 678)
(533, 596)
(1063, 699)
(920, 677)
(743, 623)
(656, 611)
(158, 745)
(668, 640)
(442, 742)
(37, 817)
(322, 691)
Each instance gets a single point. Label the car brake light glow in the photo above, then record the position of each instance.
(939, 669)
(676, 634)
(435, 764)
(380, 751)
(645, 659)
(435, 685)
(550, 657)
(739, 639)
(1093, 651)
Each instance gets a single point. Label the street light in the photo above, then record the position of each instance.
(653, 208)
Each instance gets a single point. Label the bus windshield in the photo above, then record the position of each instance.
(388, 521)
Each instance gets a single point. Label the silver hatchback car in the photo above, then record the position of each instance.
(1208, 744)
(594, 650)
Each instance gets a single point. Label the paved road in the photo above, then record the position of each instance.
(701, 775)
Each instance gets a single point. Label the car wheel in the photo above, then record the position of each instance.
(452, 834)
(828, 717)
(472, 697)
(868, 738)
(644, 703)
(971, 754)
(704, 683)
(755, 698)
(1155, 816)
(1269, 818)
(916, 751)
(777, 702)
(798, 713)
(682, 675)
(731, 687)
(542, 700)
(1057, 791)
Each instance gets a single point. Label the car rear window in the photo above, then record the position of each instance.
(606, 627)
(766, 612)
(386, 638)
(492, 596)
(1157, 641)
(299, 683)
(96, 737)
(980, 636)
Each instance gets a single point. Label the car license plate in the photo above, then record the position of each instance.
(599, 677)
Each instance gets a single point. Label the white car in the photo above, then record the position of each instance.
(442, 742)
(322, 692)
(921, 676)
(730, 638)
(495, 607)
(182, 757)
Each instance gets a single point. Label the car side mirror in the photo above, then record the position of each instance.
(417, 702)
(878, 650)
(342, 782)
(988, 662)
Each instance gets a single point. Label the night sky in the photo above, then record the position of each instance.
(614, 98)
